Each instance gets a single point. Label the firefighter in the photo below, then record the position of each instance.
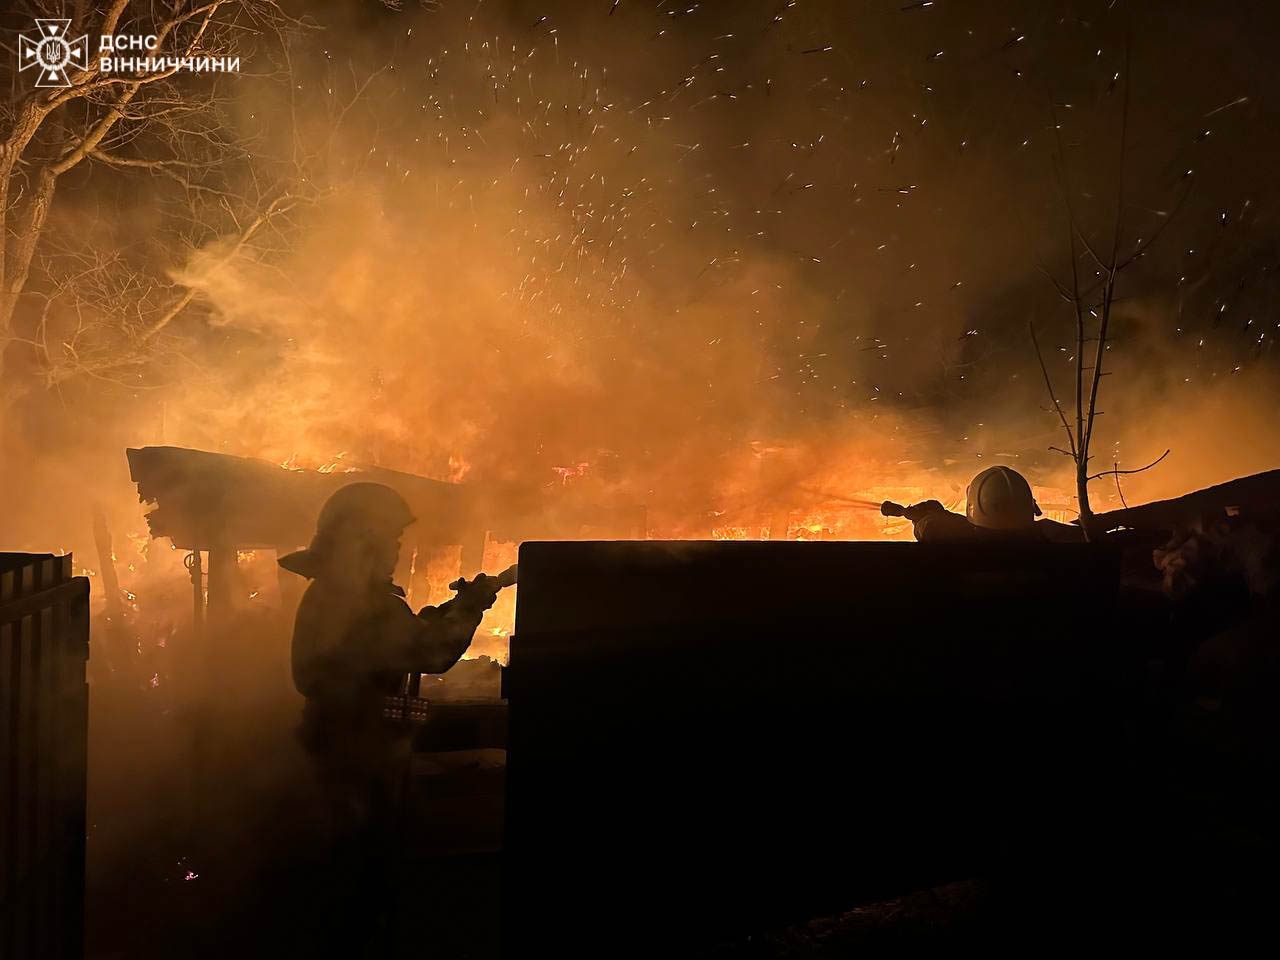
(999, 506)
(355, 639)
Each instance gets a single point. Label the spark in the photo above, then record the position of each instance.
(1227, 106)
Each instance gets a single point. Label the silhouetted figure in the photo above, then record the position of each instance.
(999, 506)
(354, 641)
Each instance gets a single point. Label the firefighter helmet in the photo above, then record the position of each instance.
(999, 498)
(368, 513)
(364, 507)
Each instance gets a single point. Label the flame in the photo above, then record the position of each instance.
(575, 472)
(459, 467)
(768, 492)
(327, 463)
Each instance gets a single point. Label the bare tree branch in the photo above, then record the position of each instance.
(1097, 301)
(1048, 382)
(281, 204)
(104, 313)
(1123, 501)
(1122, 473)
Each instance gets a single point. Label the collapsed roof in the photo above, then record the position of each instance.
(206, 499)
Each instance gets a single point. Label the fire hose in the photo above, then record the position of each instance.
(912, 511)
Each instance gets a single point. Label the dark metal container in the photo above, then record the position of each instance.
(707, 738)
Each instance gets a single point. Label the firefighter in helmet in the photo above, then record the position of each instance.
(999, 505)
(355, 638)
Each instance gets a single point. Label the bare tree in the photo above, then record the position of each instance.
(87, 301)
(1092, 298)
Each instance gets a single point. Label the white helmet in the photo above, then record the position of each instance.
(999, 498)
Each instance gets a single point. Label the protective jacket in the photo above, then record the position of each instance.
(934, 523)
(350, 643)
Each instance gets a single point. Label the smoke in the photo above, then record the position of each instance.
(545, 273)
(1212, 415)
(553, 243)
(736, 264)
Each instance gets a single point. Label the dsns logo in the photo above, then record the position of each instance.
(53, 53)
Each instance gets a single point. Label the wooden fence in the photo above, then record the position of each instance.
(44, 644)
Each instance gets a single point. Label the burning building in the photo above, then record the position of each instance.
(580, 271)
(217, 507)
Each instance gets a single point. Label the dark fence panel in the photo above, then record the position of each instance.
(44, 644)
